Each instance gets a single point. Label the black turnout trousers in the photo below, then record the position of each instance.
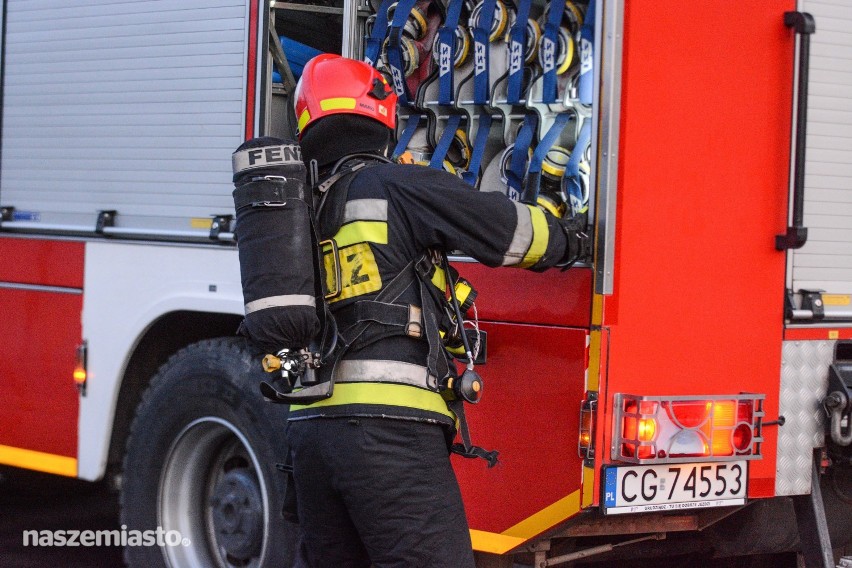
(377, 492)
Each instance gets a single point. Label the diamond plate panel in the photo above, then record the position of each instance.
(804, 381)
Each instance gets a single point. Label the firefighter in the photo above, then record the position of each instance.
(373, 480)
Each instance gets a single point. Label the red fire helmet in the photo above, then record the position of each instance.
(331, 84)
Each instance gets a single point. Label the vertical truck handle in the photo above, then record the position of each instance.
(797, 235)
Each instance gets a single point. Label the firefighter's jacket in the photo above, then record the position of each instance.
(391, 214)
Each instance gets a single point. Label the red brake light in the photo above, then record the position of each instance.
(689, 414)
(741, 437)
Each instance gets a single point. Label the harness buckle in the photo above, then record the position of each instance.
(414, 327)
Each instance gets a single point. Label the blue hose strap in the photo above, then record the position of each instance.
(518, 165)
(472, 174)
(549, 45)
(587, 41)
(394, 50)
(437, 161)
(517, 51)
(530, 193)
(407, 135)
(447, 52)
(481, 34)
(374, 42)
(572, 169)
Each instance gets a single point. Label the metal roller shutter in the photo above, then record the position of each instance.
(127, 106)
(825, 262)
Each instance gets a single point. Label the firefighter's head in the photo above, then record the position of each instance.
(343, 106)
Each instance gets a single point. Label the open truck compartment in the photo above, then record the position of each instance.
(687, 346)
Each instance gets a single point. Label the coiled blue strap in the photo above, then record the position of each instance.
(549, 47)
(443, 146)
(447, 52)
(377, 36)
(530, 193)
(407, 135)
(517, 52)
(572, 168)
(518, 165)
(394, 49)
(587, 41)
(481, 33)
(472, 174)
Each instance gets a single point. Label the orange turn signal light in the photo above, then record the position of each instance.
(80, 374)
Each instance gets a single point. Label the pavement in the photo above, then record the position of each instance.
(34, 501)
(31, 501)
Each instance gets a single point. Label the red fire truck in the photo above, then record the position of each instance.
(686, 391)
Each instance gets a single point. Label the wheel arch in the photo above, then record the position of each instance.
(167, 335)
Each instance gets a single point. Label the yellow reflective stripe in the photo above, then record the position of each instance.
(304, 118)
(588, 486)
(540, 236)
(492, 542)
(527, 529)
(386, 394)
(548, 517)
(338, 103)
(39, 461)
(362, 232)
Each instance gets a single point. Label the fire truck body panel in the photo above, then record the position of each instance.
(691, 179)
(157, 280)
(698, 279)
(41, 296)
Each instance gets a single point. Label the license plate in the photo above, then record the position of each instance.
(670, 487)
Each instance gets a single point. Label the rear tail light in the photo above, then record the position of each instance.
(652, 429)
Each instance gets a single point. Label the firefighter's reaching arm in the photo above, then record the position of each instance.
(447, 214)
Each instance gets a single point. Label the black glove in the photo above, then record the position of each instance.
(576, 241)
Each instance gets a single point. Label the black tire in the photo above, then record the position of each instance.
(201, 460)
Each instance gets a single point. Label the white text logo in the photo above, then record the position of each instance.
(157, 537)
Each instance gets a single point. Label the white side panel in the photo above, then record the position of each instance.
(132, 106)
(128, 287)
(825, 262)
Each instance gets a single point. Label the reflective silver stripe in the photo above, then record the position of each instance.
(281, 301)
(522, 239)
(252, 158)
(365, 210)
(381, 371)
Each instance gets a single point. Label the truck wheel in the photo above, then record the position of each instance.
(199, 470)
